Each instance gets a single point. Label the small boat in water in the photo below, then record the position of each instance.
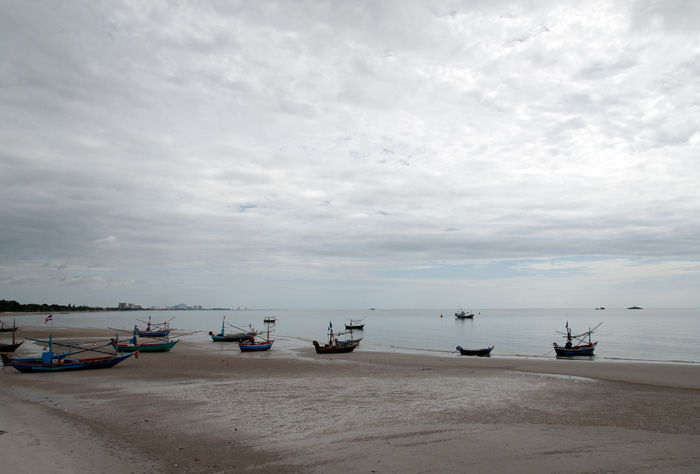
(270, 320)
(461, 314)
(355, 324)
(582, 347)
(634, 307)
(486, 352)
(155, 330)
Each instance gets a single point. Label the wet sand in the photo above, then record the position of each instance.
(205, 407)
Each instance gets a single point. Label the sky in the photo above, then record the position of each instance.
(335, 154)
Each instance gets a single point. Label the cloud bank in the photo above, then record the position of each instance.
(336, 154)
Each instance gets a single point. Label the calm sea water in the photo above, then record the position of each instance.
(658, 335)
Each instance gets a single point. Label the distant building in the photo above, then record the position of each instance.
(126, 306)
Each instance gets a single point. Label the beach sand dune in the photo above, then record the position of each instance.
(208, 408)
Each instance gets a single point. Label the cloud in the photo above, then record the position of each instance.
(343, 141)
(110, 241)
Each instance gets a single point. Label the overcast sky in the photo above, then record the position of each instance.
(350, 154)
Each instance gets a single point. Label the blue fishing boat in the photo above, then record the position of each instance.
(251, 344)
(347, 342)
(230, 337)
(160, 346)
(51, 362)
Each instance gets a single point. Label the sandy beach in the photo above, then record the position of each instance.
(200, 410)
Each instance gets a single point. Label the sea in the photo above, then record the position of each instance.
(648, 334)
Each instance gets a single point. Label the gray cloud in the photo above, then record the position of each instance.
(218, 150)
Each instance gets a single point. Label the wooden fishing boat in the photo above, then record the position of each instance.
(355, 324)
(486, 352)
(230, 337)
(333, 346)
(256, 345)
(61, 365)
(134, 345)
(461, 314)
(7, 348)
(582, 347)
(270, 320)
(155, 329)
(161, 346)
(5, 328)
(10, 347)
(347, 342)
(51, 362)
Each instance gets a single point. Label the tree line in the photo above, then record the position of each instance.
(13, 306)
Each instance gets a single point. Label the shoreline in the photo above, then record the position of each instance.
(209, 408)
(673, 374)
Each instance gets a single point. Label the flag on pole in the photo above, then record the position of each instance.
(330, 325)
(48, 318)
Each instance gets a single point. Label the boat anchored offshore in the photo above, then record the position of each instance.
(461, 314)
(583, 346)
(355, 324)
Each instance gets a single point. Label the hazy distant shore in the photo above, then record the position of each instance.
(205, 407)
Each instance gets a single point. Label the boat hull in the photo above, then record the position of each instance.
(582, 350)
(464, 316)
(159, 347)
(10, 347)
(153, 333)
(63, 365)
(229, 338)
(255, 347)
